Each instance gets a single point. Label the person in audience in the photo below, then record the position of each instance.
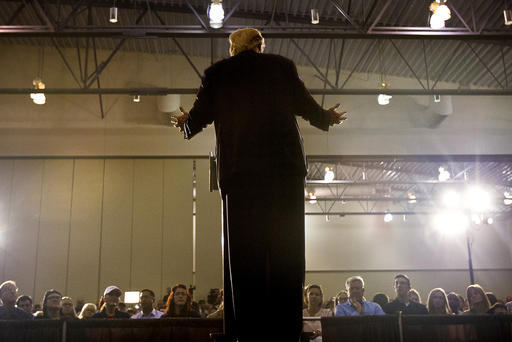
(314, 299)
(108, 304)
(341, 297)
(492, 298)
(478, 302)
(179, 303)
(330, 304)
(499, 308)
(52, 303)
(79, 305)
(88, 310)
(219, 313)
(67, 309)
(437, 302)
(381, 299)
(414, 296)
(147, 302)
(9, 311)
(454, 302)
(121, 306)
(25, 303)
(160, 305)
(402, 285)
(356, 305)
(463, 303)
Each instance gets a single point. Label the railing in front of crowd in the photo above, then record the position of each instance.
(389, 328)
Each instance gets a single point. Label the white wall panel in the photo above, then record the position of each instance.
(117, 223)
(86, 213)
(6, 183)
(209, 232)
(53, 244)
(177, 224)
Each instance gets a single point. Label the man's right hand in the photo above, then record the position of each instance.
(336, 117)
(179, 121)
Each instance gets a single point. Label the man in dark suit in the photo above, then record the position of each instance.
(402, 303)
(252, 99)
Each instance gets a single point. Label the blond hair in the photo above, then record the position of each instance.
(245, 39)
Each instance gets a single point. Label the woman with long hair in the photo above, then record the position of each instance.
(314, 301)
(88, 310)
(478, 302)
(437, 302)
(179, 303)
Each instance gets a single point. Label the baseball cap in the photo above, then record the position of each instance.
(112, 288)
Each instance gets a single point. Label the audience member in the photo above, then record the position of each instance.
(179, 303)
(8, 311)
(147, 301)
(67, 309)
(437, 302)
(52, 303)
(341, 297)
(219, 313)
(88, 310)
(414, 296)
(356, 305)
(108, 304)
(314, 300)
(492, 298)
(79, 305)
(25, 303)
(463, 303)
(401, 302)
(381, 299)
(478, 302)
(509, 306)
(454, 302)
(121, 306)
(499, 308)
(37, 307)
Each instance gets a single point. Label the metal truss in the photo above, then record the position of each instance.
(406, 185)
(57, 18)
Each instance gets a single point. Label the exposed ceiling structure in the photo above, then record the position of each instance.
(386, 37)
(409, 185)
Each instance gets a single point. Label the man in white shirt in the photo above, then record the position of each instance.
(147, 300)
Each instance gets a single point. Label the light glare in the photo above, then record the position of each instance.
(131, 297)
(450, 222)
(388, 218)
(478, 200)
(216, 14)
(451, 199)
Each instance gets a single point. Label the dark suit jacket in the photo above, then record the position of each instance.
(412, 309)
(252, 99)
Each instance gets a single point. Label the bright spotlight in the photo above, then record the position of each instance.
(444, 174)
(329, 174)
(450, 222)
(490, 220)
(451, 199)
(478, 200)
(476, 218)
(312, 198)
(388, 217)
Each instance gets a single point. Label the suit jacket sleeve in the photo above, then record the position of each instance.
(202, 113)
(306, 106)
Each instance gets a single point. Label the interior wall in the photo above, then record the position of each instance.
(79, 225)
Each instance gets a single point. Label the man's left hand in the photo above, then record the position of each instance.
(179, 121)
(336, 117)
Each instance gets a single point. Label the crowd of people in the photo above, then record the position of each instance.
(178, 302)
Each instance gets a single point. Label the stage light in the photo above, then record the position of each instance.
(508, 17)
(478, 200)
(444, 12)
(436, 22)
(490, 220)
(312, 198)
(507, 201)
(315, 16)
(383, 99)
(329, 174)
(131, 297)
(388, 217)
(216, 14)
(451, 199)
(449, 222)
(476, 218)
(38, 98)
(136, 98)
(437, 98)
(113, 15)
(440, 13)
(444, 174)
(412, 197)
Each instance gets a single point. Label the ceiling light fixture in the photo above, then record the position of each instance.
(444, 174)
(437, 98)
(216, 14)
(440, 14)
(508, 17)
(383, 99)
(315, 16)
(38, 98)
(329, 174)
(136, 98)
(113, 14)
(312, 198)
(388, 217)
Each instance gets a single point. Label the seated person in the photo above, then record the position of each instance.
(25, 303)
(147, 302)
(478, 302)
(88, 310)
(414, 296)
(437, 302)
(356, 305)
(179, 303)
(8, 311)
(402, 285)
(314, 300)
(52, 305)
